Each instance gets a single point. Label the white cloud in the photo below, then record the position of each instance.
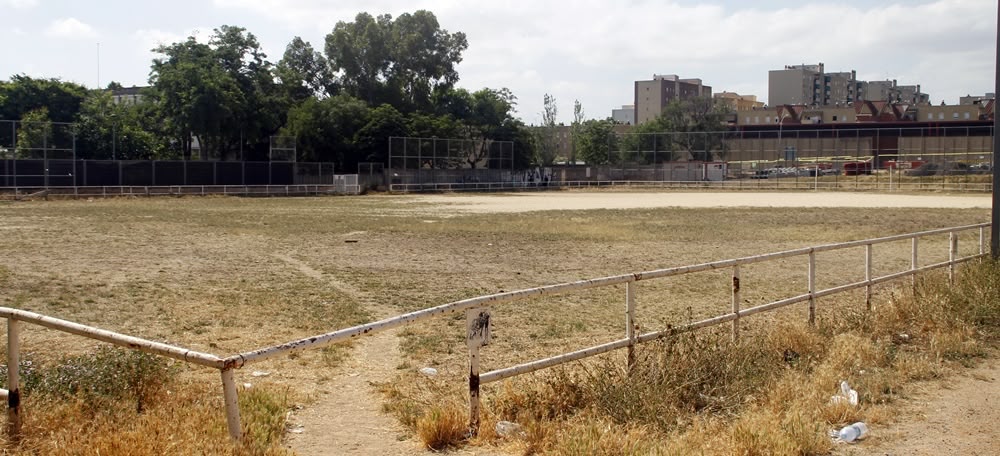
(69, 28)
(19, 4)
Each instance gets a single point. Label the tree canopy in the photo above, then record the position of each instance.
(221, 98)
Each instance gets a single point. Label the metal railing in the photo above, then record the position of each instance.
(478, 321)
(764, 184)
(338, 187)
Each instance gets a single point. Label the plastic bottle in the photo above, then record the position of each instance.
(854, 432)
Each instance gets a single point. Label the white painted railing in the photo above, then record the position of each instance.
(478, 321)
(783, 183)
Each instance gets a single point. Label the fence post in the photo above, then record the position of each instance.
(477, 323)
(736, 302)
(868, 276)
(812, 288)
(630, 322)
(982, 240)
(913, 262)
(231, 397)
(952, 254)
(13, 379)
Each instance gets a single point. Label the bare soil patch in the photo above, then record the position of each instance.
(545, 201)
(225, 275)
(958, 416)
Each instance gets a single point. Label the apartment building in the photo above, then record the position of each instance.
(624, 116)
(811, 85)
(653, 95)
(736, 102)
(976, 99)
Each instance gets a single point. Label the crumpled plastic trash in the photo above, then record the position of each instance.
(846, 395)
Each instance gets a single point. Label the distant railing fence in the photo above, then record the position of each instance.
(478, 321)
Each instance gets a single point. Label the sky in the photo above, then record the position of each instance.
(586, 50)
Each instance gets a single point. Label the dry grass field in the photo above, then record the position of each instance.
(225, 275)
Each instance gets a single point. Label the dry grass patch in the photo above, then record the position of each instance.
(208, 274)
(768, 393)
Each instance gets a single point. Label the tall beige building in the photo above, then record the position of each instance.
(811, 85)
(653, 95)
(736, 102)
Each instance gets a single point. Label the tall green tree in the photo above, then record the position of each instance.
(698, 125)
(403, 62)
(547, 134)
(23, 94)
(224, 94)
(594, 140)
(34, 136)
(107, 130)
(304, 72)
(196, 93)
(324, 130)
(372, 139)
(574, 129)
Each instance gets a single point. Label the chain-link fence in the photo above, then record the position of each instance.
(102, 173)
(408, 153)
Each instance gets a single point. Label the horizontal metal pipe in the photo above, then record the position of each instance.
(136, 343)
(774, 305)
(525, 368)
(457, 306)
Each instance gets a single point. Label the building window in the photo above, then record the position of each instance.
(756, 119)
(940, 116)
(748, 120)
(930, 116)
(966, 115)
(954, 115)
(834, 118)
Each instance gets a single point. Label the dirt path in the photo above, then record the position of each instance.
(348, 419)
(547, 201)
(958, 418)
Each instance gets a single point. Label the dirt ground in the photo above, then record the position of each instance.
(955, 417)
(958, 416)
(525, 202)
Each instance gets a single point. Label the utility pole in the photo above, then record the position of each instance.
(995, 219)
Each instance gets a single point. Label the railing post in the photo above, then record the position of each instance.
(982, 240)
(630, 322)
(231, 397)
(736, 302)
(952, 254)
(477, 323)
(868, 276)
(13, 379)
(913, 262)
(812, 288)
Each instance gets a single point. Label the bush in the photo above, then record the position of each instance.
(104, 377)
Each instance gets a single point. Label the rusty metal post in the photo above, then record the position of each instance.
(952, 254)
(477, 323)
(913, 262)
(231, 397)
(812, 288)
(630, 332)
(13, 379)
(868, 276)
(736, 302)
